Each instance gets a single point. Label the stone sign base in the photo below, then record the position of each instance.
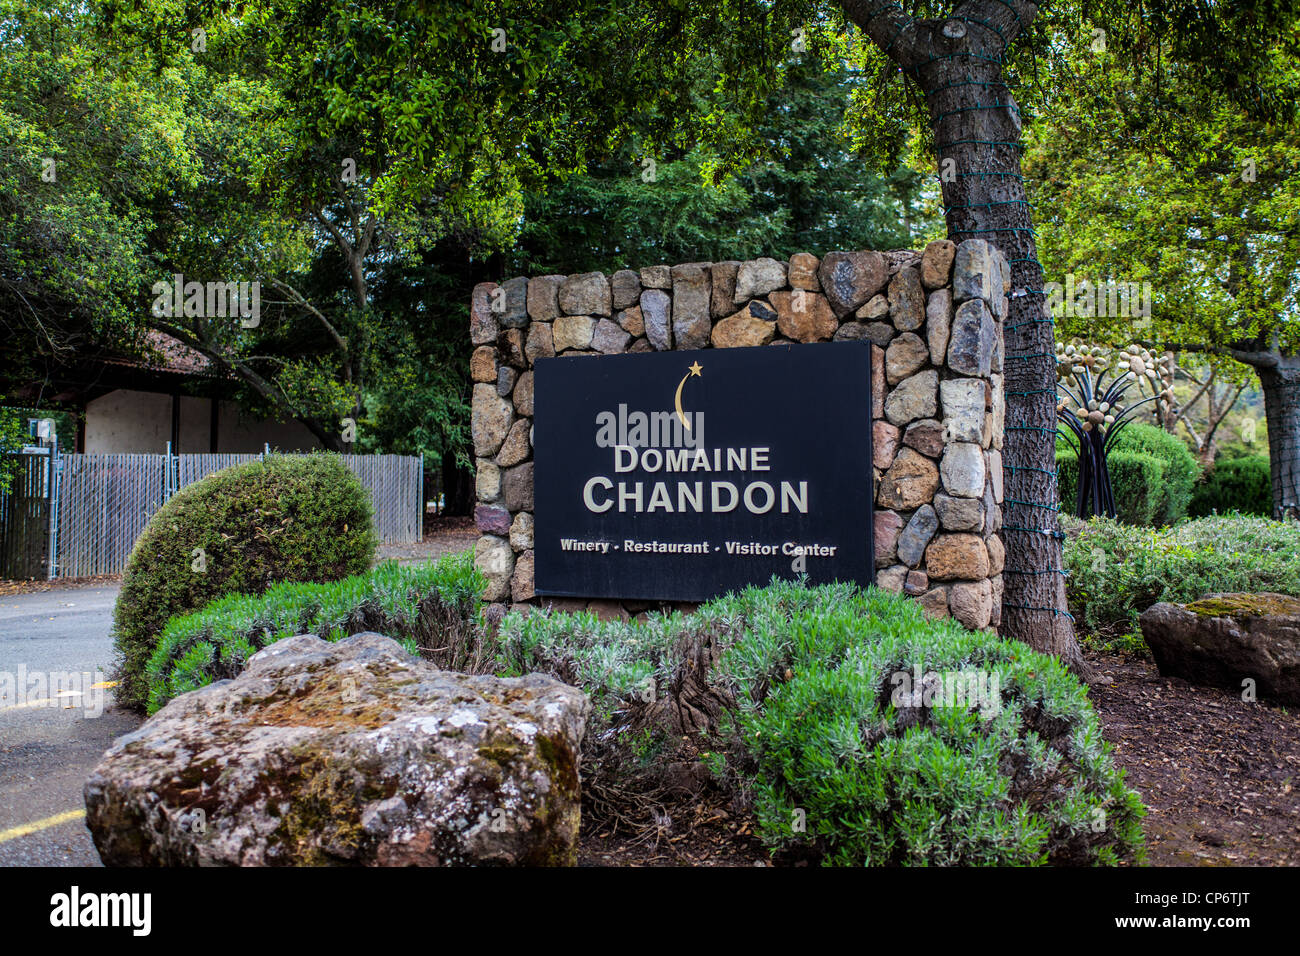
(934, 319)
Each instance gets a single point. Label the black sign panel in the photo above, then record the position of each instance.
(682, 475)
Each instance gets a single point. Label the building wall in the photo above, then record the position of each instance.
(131, 422)
(934, 319)
(241, 433)
(127, 421)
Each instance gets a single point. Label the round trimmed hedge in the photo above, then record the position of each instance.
(239, 530)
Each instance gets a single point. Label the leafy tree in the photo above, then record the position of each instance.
(1201, 199)
(452, 110)
(807, 191)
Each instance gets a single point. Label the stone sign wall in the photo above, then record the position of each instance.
(935, 322)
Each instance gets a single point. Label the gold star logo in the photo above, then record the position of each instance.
(693, 369)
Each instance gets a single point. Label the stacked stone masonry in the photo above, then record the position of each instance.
(934, 319)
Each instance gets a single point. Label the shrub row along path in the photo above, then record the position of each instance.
(1218, 775)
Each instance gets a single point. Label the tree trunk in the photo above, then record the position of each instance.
(957, 64)
(1281, 384)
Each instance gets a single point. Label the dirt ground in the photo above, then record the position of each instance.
(1218, 775)
(441, 536)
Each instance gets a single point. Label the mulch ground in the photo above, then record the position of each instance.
(58, 584)
(1218, 775)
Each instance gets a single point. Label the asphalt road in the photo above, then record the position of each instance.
(54, 726)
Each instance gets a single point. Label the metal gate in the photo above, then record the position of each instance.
(79, 515)
(28, 514)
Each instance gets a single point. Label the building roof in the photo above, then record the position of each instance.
(161, 352)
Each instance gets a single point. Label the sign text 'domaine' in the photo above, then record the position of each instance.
(658, 442)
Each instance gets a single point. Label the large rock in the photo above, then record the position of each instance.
(490, 420)
(656, 313)
(625, 286)
(483, 364)
(802, 273)
(905, 356)
(512, 308)
(511, 344)
(970, 348)
(1226, 640)
(487, 480)
(506, 378)
(492, 519)
(742, 330)
(524, 394)
(573, 332)
(886, 527)
(722, 287)
(521, 580)
(804, 316)
(521, 532)
(608, 337)
(971, 603)
(914, 538)
(964, 401)
(758, 277)
(586, 294)
(957, 556)
(959, 514)
(884, 444)
(963, 469)
(976, 273)
(517, 487)
(495, 559)
(540, 343)
(691, 322)
(910, 482)
(906, 300)
(936, 263)
(483, 324)
(874, 309)
(849, 279)
(926, 436)
(353, 753)
(517, 446)
(544, 297)
(915, 397)
(938, 323)
(657, 277)
(878, 384)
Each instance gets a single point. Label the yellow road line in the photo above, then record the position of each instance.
(43, 702)
(20, 831)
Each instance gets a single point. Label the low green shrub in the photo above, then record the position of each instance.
(1237, 484)
(837, 766)
(239, 530)
(432, 609)
(1116, 572)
